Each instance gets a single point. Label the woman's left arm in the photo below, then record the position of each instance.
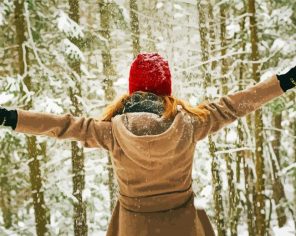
(232, 106)
(89, 131)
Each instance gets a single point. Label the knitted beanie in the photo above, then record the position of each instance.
(149, 72)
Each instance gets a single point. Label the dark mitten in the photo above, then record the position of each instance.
(8, 117)
(288, 80)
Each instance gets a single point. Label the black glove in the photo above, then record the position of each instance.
(288, 80)
(8, 117)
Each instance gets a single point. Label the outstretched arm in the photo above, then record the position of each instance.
(89, 131)
(232, 106)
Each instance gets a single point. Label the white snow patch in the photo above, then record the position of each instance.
(232, 29)
(201, 203)
(2, 12)
(51, 105)
(177, 6)
(178, 15)
(5, 98)
(207, 191)
(68, 26)
(287, 230)
(120, 82)
(266, 75)
(212, 91)
(86, 194)
(72, 50)
(231, 136)
(277, 44)
(159, 5)
(285, 123)
(98, 233)
(292, 115)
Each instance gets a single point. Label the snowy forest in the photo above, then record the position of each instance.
(74, 56)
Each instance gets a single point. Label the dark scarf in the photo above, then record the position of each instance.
(143, 102)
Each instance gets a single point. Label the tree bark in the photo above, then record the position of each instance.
(277, 186)
(5, 196)
(135, 27)
(260, 180)
(108, 71)
(204, 37)
(41, 214)
(292, 97)
(77, 153)
(243, 155)
(216, 181)
(233, 197)
(212, 32)
(149, 8)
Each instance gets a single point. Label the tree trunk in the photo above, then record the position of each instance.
(233, 197)
(249, 188)
(149, 9)
(135, 27)
(5, 197)
(260, 181)
(277, 186)
(218, 202)
(212, 32)
(41, 214)
(77, 153)
(108, 71)
(223, 45)
(292, 97)
(204, 37)
(243, 155)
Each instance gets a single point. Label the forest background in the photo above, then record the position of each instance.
(74, 56)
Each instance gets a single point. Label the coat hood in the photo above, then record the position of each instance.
(141, 135)
(152, 154)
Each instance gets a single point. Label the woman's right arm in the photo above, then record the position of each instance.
(89, 131)
(235, 105)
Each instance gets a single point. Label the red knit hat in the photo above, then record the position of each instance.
(149, 72)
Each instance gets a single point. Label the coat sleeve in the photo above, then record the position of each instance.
(89, 131)
(228, 108)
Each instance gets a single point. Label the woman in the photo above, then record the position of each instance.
(152, 136)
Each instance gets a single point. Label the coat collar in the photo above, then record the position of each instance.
(145, 125)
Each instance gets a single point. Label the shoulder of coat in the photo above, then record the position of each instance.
(188, 118)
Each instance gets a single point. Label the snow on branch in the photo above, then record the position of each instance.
(2, 15)
(30, 43)
(180, 70)
(233, 150)
(72, 50)
(68, 26)
(6, 7)
(287, 169)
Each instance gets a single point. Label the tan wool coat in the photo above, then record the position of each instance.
(152, 159)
